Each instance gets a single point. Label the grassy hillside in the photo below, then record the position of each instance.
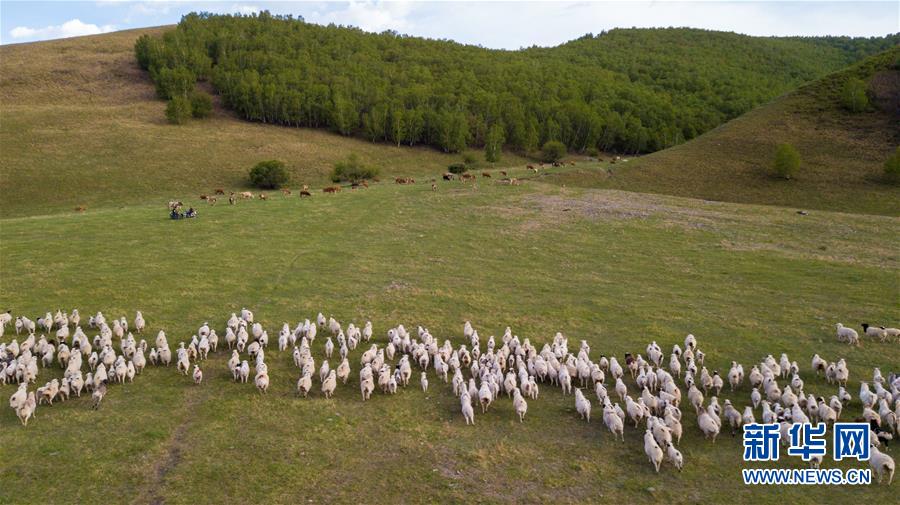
(637, 90)
(80, 125)
(613, 268)
(842, 153)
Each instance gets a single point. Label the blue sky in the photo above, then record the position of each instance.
(507, 25)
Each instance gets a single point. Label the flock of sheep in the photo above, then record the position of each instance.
(508, 366)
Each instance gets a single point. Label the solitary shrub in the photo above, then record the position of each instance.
(892, 167)
(787, 161)
(178, 110)
(352, 170)
(457, 168)
(853, 95)
(553, 150)
(268, 174)
(201, 104)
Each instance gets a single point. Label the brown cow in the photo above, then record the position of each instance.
(262, 196)
(204, 197)
(220, 191)
(332, 189)
(486, 175)
(503, 173)
(304, 192)
(531, 167)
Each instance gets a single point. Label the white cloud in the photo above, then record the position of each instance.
(71, 28)
(245, 9)
(372, 16)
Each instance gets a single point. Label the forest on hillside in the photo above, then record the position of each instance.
(626, 90)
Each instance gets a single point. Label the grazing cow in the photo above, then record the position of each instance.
(204, 197)
(486, 175)
(212, 200)
(286, 192)
(262, 196)
(503, 173)
(246, 195)
(304, 193)
(306, 187)
(433, 186)
(448, 176)
(533, 169)
(220, 191)
(231, 199)
(572, 163)
(332, 189)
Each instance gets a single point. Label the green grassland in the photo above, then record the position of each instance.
(842, 153)
(81, 126)
(613, 268)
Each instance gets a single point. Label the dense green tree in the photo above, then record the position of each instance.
(269, 174)
(602, 91)
(853, 95)
(352, 170)
(553, 150)
(178, 110)
(493, 144)
(201, 104)
(787, 161)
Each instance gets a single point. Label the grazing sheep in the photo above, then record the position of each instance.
(304, 385)
(467, 411)
(847, 335)
(521, 406)
(98, 395)
(582, 405)
(26, 411)
(881, 464)
(652, 450)
(262, 381)
(674, 456)
(875, 332)
(708, 425)
(485, 396)
(329, 384)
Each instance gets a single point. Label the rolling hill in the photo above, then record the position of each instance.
(82, 126)
(626, 90)
(842, 152)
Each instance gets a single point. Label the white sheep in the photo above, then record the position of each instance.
(847, 335)
(262, 381)
(881, 464)
(423, 380)
(652, 450)
(304, 385)
(467, 411)
(329, 384)
(582, 405)
(519, 404)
